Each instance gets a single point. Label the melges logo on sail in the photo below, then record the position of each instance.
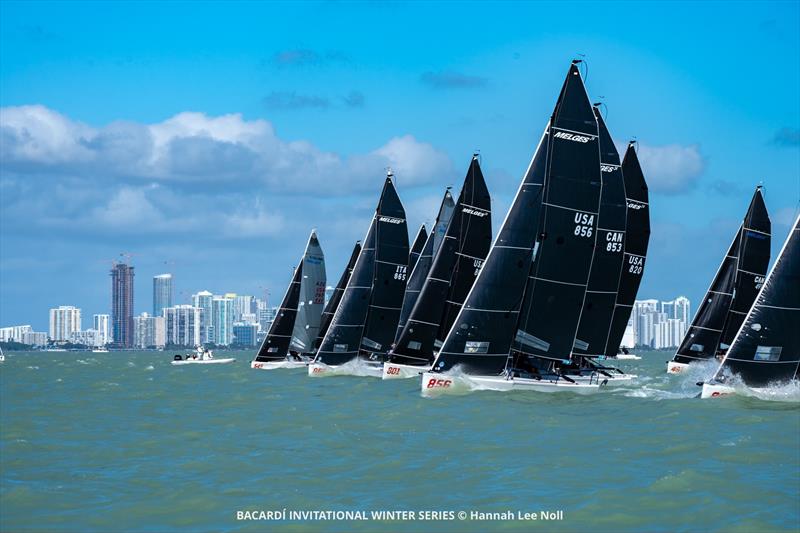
(572, 137)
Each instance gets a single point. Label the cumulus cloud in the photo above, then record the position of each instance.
(195, 149)
(786, 137)
(452, 80)
(671, 169)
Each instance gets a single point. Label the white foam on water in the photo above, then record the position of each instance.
(34, 367)
(354, 367)
(131, 363)
(149, 367)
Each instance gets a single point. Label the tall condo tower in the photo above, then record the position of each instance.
(162, 293)
(122, 305)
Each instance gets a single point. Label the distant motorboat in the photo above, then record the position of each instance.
(200, 357)
(100, 350)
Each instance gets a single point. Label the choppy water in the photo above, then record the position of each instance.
(127, 442)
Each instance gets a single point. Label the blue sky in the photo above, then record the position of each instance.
(208, 139)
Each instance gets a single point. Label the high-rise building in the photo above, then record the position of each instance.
(683, 310)
(203, 300)
(122, 305)
(87, 337)
(162, 293)
(34, 338)
(245, 334)
(660, 324)
(183, 325)
(100, 324)
(64, 320)
(222, 320)
(149, 331)
(243, 304)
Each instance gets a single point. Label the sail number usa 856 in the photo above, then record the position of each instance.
(584, 224)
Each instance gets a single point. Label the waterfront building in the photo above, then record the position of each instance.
(150, 331)
(87, 337)
(245, 334)
(183, 325)
(162, 293)
(100, 323)
(14, 333)
(64, 320)
(122, 305)
(222, 319)
(203, 300)
(34, 338)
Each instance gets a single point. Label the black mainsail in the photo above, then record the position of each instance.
(556, 287)
(637, 237)
(601, 293)
(336, 297)
(455, 267)
(737, 279)
(275, 346)
(766, 348)
(368, 312)
(416, 248)
(481, 336)
(419, 273)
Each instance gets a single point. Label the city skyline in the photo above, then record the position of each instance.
(217, 156)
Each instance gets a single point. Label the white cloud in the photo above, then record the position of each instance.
(196, 148)
(671, 169)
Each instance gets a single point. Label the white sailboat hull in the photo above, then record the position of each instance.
(274, 365)
(628, 356)
(398, 371)
(437, 383)
(676, 368)
(203, 361)
(352, 368)
(714, 390)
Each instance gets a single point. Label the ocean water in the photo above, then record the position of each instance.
(126, 442)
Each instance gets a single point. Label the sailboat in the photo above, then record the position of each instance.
(416, 248)
(521, 315)
(364, 324)
(336, 297)
(637, 238)
(419, 273)
(732, 291)
(766, 347)
(452, 273)
(594, 328)
(290, 337)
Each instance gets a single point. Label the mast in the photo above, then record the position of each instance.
(481, 336)
(419, 273)
(275, 345)
(416, 248)
(333, 303)
(705, 337)
(559, 275)
(637, 237)
(457, 263)
(601, 293)
(312, 297)
(766, 347)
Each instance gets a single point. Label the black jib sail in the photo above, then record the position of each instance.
(750, 247)
(559, 275)
(275, 346)
(601, 293)
(637, 237)
(416, 248)
(457, 263)
(766, 348)
(336, 297)
(371, 300)
(481, 335)
(419, 273)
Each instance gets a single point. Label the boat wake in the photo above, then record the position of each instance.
(355, 367)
